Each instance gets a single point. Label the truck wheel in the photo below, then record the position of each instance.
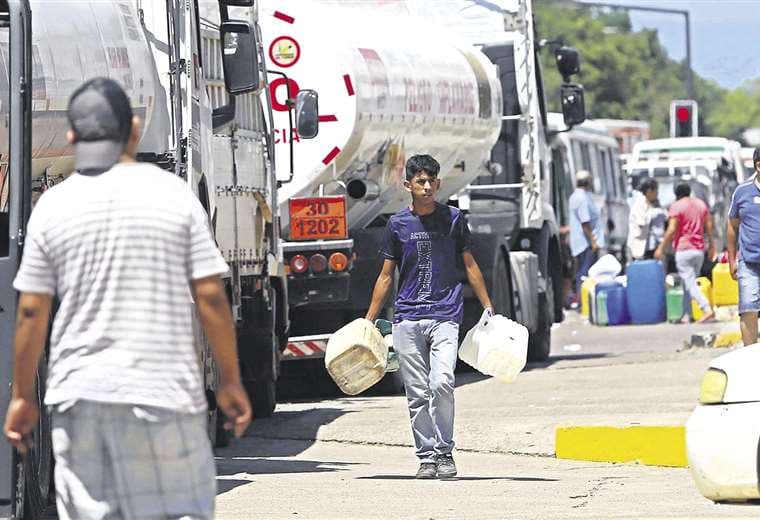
(391, 384)
(540, 342)
(263, 396)
(502, 290)
(221, 436)
(33, 472)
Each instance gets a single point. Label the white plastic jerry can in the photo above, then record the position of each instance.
(356, 356)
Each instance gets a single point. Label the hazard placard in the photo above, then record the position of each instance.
(318, 218)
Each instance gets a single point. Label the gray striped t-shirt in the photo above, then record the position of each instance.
(120, 249)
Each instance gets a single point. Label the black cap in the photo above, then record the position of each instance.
(101, 119)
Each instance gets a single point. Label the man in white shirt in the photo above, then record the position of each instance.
(586, 232)
(123, 244)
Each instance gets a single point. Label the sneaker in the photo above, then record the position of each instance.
(445, 466)
(427, 471)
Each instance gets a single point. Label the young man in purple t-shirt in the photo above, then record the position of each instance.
(430, 243)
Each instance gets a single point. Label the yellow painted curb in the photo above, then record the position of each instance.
(650, 445)
(728, 339)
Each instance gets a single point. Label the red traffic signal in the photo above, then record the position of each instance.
(683, 114)
(683, 118)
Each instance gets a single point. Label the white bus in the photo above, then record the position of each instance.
(590, 146)
(709, 179)
(725, 152)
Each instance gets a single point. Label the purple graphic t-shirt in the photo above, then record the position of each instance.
(428, 250)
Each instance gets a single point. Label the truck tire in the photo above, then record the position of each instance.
(540, 342)
(501, 284)
(263, 396)
(391, 384)
(34, 471)
(221, 435)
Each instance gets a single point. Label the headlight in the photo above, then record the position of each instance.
(713, 386)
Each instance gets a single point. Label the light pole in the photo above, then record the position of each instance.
(685, 14)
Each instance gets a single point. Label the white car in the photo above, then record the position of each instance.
(723, 432)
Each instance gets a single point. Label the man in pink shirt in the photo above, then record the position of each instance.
(689, 222)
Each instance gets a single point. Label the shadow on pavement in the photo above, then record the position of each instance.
(569, 357)
(469, 376)
(294, 431)
(411, 477)
(253, 456)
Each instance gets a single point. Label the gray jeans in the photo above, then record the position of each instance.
(427, 351)
(689, 265)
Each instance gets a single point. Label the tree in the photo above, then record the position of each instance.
(628, 75)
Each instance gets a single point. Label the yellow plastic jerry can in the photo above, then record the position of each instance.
(725, 289)
(706, 287)
(587, 288)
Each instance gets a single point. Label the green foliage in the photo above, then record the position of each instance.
(628, 75)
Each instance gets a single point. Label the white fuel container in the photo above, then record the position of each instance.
(356, 356)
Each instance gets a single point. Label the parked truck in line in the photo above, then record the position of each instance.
(193, 77)
(459, 81)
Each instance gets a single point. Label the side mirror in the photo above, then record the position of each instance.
(568, 61)
(239, 58)
(237, 3)
(573, 104)
(307, 114)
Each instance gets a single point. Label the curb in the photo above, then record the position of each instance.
(648, 445)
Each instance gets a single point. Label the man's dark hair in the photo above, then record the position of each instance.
(648, 184)
(420, 163)
(101, 121)
(756, 156)
(105, 115)
(682, 190)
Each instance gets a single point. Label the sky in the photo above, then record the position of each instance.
(725, 35)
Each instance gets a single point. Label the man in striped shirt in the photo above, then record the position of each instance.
(123, 245)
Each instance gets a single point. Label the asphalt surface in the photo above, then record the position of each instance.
(338, 457)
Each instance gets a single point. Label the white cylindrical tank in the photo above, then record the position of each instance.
(390, 86)
(73, 42)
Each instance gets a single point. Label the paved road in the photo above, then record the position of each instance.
(347, 458)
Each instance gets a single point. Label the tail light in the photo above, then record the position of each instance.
(338, 262)
(318, 263)
(299, 264)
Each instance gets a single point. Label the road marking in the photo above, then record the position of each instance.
(649, 445)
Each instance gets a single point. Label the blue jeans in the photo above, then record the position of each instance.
(748, 274)
(583, 263)
(427, 352)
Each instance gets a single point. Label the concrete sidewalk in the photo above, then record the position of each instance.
(277, 480)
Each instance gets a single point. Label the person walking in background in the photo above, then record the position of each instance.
(744, 222)
(586, 232)
(689, 223)
(430, 243)
(123, 244)
(646, 225)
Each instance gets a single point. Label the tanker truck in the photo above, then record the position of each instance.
(193, 77)
(399, 78)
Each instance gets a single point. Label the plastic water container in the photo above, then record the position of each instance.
(617, 306)
(602, 305)
(356, 356)
(587, 288)
(674, 299)
(725, 289)
(601, 309)
(705, 286)
(645, 293)
(496, 346)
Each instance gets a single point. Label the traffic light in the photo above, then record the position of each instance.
(683, 118)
